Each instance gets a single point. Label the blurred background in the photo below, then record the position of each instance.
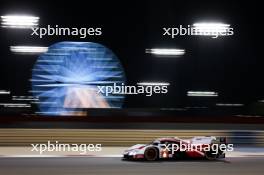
(230, 66)
(213, 83)
(48, 85)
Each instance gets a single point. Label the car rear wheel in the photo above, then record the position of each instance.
(151, 154)
(210, 155)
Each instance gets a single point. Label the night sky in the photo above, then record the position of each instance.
(231, 66)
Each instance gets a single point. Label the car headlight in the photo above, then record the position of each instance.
(132, 153)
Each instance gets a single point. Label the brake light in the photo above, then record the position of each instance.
(165, 155)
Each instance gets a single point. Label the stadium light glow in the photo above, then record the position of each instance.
(28, 49)
(4, 92)
(15, 105)
(229, 104)
(165, 52)
(211, 29)
(24, 98)
(202, 94)
(17, 21)
(65, 79)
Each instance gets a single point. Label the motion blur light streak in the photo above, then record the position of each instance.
(229, 104)
(211, 28)
(28, 49)
(166, 52)
(65, 78)
(17, 21)
(4, 92)
(202, 93)
(24, 98)
(215, 26)
(153, 84)
(64, 113)
(15, 105)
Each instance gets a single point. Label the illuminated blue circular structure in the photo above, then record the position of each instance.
(66, 78)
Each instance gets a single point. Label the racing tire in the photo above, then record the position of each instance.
(151, 154)
(210, 156)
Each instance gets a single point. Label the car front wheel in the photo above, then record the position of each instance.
(151, 154)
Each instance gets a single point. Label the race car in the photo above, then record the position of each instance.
(208, 147)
